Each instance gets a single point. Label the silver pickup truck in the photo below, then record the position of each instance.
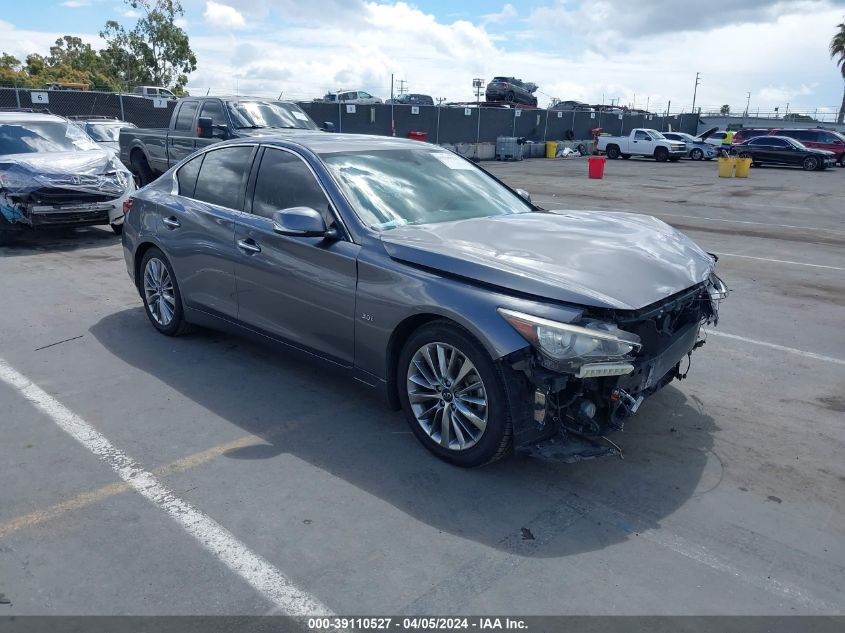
(200, 121)
(641, 142)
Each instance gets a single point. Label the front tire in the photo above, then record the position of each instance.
(811, 163)
(661, 154)
(696, 154)
(8, 232)
(454, 396)
(161, 295)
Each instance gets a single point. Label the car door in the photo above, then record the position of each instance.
(181, 141)
(213, 109)
(779, 150)
(642, 143)
(298, 289)
(198, 232)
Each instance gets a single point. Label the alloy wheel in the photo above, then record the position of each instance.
(158, 292)
(447, 396)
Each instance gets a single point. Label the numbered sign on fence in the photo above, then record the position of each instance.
(350, 108)
(560, 115)
(620, 117)
(517, 112)
(415, 109)
(39, 97)
(159, 103)
(592, 115)
(467, 111)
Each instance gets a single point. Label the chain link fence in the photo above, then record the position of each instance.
(439, 124)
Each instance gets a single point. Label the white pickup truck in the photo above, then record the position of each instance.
(641, 142)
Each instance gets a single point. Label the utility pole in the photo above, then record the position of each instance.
(747, 104)
(477, 84)
(391, 86)
(695, 89)
(402, 88)
(787, 110)
(440, 100)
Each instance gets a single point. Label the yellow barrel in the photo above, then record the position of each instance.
(551, 149)
(743, 166)
(726, 167)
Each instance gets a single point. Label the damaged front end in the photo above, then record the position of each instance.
(589, 377)
(36, 193)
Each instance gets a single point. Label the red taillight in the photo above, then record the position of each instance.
(127, 205)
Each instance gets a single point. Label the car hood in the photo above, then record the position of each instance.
(703, 136)
(95, 171)
(592, 258)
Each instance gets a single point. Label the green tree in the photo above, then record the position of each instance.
(837, 53)
(156, 51)
(725, 109)
(11, 71)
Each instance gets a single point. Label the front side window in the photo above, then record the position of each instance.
(185, 118)
(778, 142)
(285, 181)
(153, 92)
(641, 136)
(213, 109)
(30, 137)
(397, 187)
(223, 175)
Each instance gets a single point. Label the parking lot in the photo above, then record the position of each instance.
(291, 488)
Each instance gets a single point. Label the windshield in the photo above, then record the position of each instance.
(655, 134)
(43, 136)
(105, 132)
(261, 114)
(390, 188)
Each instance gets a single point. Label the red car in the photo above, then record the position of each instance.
(817, 139)
(745, 133)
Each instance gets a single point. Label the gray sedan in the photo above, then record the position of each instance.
(494, 324)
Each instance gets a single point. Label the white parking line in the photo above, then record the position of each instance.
(780, 348)
(216, 539)
(778, 261)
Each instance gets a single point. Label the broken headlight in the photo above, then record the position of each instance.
(570, 346)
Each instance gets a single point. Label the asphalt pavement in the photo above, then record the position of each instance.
(208, 475)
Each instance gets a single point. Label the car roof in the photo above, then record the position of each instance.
(329, 142)
(29, 117)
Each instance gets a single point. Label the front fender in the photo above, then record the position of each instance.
(391, 292)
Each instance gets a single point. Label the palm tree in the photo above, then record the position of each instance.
(837, 51)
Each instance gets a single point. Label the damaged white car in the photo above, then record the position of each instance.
(53, 174)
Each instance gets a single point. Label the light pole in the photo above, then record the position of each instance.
(695, 89)
(747, 104)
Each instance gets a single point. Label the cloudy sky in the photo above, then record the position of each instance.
(636, 51)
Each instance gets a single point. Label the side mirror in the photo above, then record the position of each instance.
(205, 127)
(328, 126)
(524, 195)
(299, 222)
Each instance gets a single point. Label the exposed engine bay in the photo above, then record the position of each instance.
(576, 408)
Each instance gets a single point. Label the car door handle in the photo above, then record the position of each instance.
(249, 246)
(171, 222)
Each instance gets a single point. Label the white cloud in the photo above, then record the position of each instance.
(76, 4)
(507, 14)
(222, 16)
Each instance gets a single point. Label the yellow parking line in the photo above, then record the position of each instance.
(86, 499)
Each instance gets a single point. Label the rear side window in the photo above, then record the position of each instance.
(223, 175)
(185, 118)
(187, 176)
(285, 181)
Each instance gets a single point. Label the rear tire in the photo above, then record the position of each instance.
(842, 160)
(117, 228)
(625, 156)
(8, 233)
(613, 152)
(140, 169)
(510, 96)
(431, 387)
(157, 309)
